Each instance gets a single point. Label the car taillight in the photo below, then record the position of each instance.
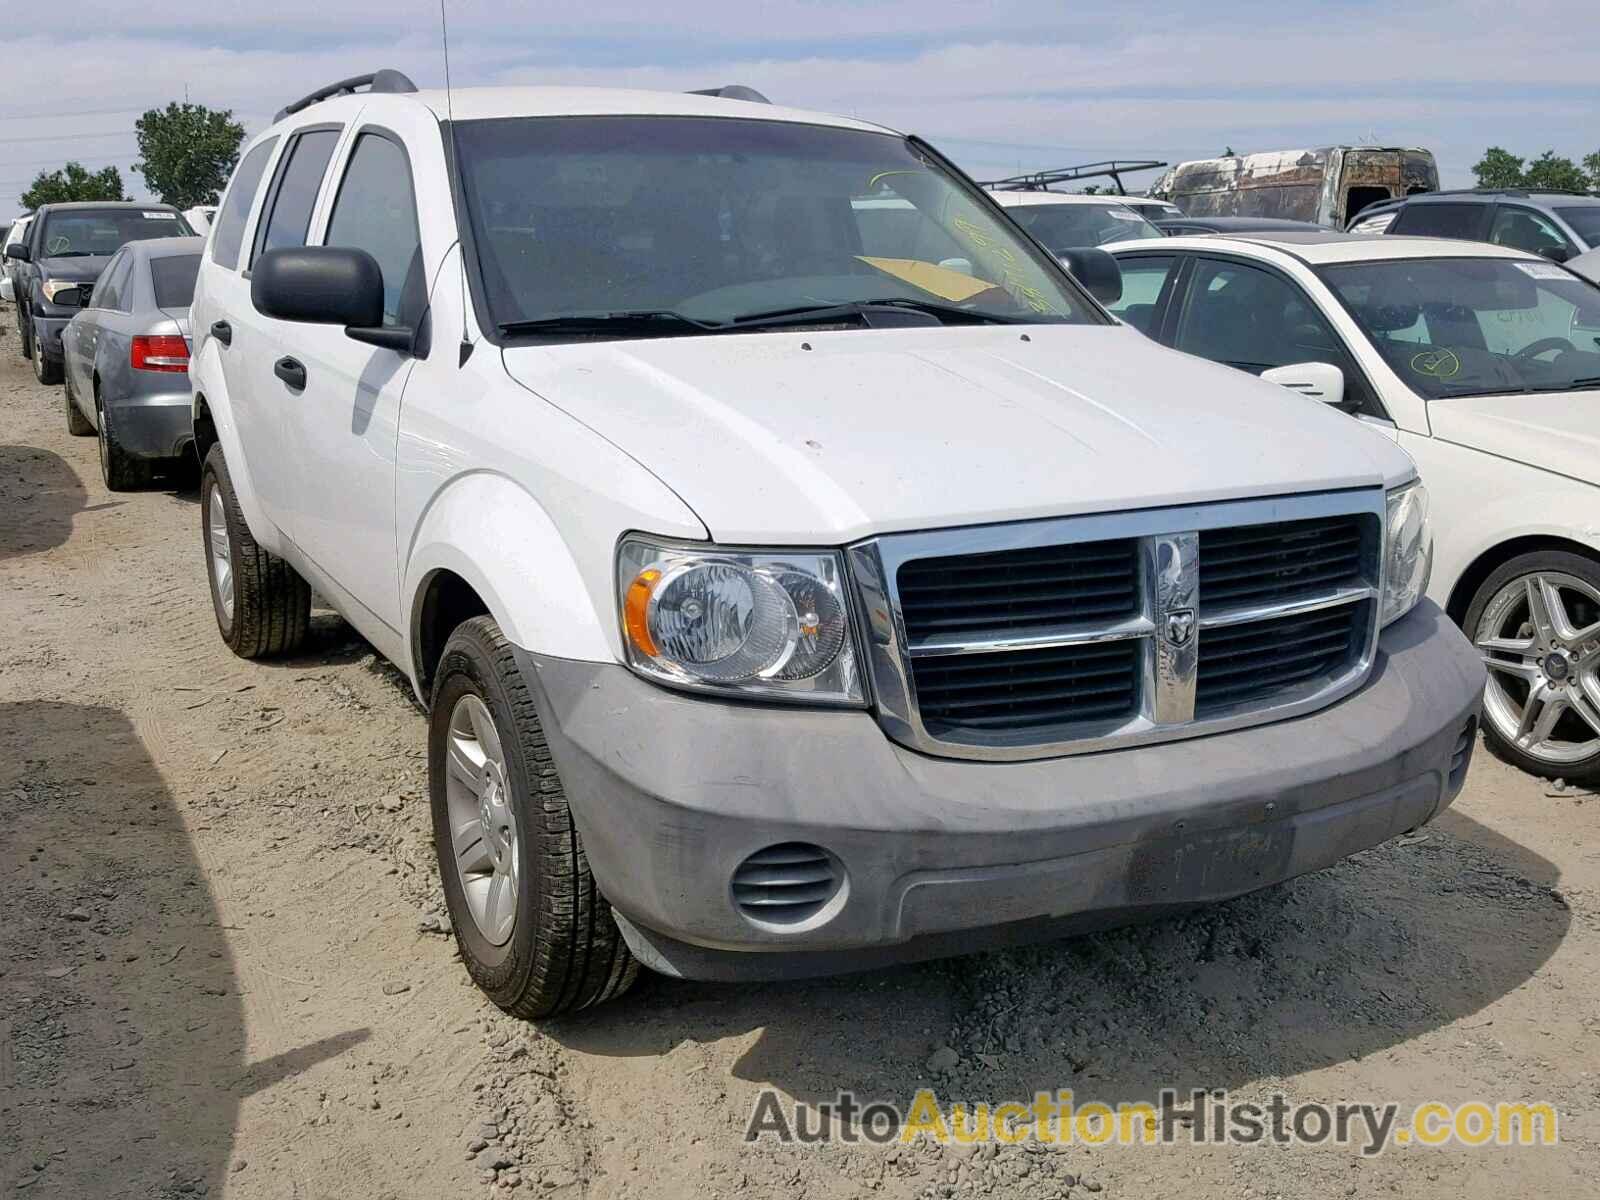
(160, 352)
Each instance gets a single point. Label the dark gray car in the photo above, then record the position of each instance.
(68, 246)
(126, 360)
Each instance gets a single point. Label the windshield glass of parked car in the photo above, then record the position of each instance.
(1069, 226)
(1476, 326)
(81, 232)
(717, 220)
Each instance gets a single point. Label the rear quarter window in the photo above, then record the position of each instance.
(228, 235)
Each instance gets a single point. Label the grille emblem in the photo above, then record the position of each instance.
(1180, 626)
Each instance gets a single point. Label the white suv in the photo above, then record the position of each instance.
(791, 590)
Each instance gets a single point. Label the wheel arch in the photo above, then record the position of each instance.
(1490, 560)
(485, 546)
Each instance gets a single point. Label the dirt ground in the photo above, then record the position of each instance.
(222, 970)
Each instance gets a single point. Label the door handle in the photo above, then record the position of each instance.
(223, 332)
(292, 372)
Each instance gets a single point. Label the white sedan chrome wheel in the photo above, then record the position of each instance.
(1540, 638)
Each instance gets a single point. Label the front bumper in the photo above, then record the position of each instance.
(47, 333)
(671, 793)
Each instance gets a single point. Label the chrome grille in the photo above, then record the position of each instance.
(1084, 633)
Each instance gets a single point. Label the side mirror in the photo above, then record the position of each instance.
(1558, 254)
(1096, 270)
(1316, 380)
(18, 251)
(327, 285)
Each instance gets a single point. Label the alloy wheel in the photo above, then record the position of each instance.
(483, 820)
(221, 546)
(1540, 638)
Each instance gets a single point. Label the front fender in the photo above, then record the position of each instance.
(210, 391)
(498, 538)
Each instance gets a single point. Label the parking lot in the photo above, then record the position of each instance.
(222, 970)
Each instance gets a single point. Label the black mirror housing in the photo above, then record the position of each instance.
(1558, 254)
(1096, 270)
(19, 251)
(319, 285)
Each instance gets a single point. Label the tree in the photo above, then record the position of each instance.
(188, 151)
(1591, 164)
(73, 182)
(1558, 174)
(1498, 169)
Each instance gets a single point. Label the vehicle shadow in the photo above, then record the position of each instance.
(40, 494)
(1340, 964)
(122, 1033)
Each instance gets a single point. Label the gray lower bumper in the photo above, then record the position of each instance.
(47, 333)
(672, 792)
(160, 425)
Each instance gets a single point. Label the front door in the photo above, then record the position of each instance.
(345, 424)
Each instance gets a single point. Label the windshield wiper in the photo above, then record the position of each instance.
(806, 313)
(649, 321)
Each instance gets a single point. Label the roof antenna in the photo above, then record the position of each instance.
(450, 113)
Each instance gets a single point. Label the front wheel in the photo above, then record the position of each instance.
(534, 931)
(1536, 621)
(46, 370)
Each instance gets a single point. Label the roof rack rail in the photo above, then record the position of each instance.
(1518, 190)
(1041, 181)
(379, 81)
(732, 91)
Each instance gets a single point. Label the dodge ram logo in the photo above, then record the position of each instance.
(1180, 626)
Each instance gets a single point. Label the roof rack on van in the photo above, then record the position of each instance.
(732, 91)
(1041, 181)
(379, 81)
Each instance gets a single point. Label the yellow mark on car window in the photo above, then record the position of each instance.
(938, 281)
(1440, 364)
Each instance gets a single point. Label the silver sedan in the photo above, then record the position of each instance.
(126, 358)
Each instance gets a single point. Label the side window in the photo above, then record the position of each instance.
(1143, 280)
(376, 211)
(294, 194)
(1442, 220)
(1525, 229)
(1255, 320)
(108, 293)
(236, 205)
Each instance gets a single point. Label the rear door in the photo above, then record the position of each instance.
(82, 337)
(224, 318)
(1443, 218)
(343, 428)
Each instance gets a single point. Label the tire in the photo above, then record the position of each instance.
(121, 471)
(561, 950)
(268, 606)
(78, 425)
(45, 369)
(1557, 666)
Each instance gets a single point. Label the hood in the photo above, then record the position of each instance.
(75, 268)
(1559, 431)
(825, 437)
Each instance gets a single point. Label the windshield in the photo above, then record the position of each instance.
(79, 232)
(1068, 226)
(715, 220)
(1476, 326)
(1585, 223)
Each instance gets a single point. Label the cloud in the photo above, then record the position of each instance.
(1001, 86)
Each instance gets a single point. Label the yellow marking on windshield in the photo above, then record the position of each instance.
(943, 282)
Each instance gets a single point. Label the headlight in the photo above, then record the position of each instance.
(1407, 551)
(54, 287)
(769, 624)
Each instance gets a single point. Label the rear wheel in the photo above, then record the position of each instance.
(534, 931)
(121, 471)
(1536, 620)
(262, 605)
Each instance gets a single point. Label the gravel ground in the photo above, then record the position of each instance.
(224, 969)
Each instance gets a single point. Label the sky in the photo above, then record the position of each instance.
(1001, 86)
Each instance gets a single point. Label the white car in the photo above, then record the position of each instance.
(17, 235)
(200, 217)
(785, 600)
(1483, 363)
(1150, 207)
(1066, 220)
